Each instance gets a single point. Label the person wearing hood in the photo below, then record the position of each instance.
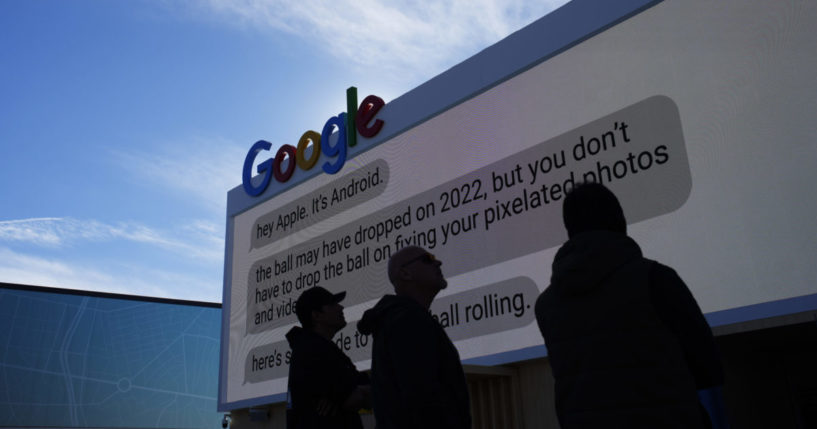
(325, 389)
(417, 376)
(627, 343)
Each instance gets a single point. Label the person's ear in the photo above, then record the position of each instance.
(405, 274)
(317, 315)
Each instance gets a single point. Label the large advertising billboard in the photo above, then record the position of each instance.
(699, 115)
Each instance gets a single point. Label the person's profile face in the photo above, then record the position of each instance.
(332, 315)
(425, 269)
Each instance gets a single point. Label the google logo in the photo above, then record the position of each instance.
(355, 120)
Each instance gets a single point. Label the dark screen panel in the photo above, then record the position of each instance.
(91, 360)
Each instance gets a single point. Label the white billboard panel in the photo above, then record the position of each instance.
(699, 115)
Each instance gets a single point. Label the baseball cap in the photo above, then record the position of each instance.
(314, 299)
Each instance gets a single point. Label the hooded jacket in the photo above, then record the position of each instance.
(417, 377)
(625, 338)
(319, 371)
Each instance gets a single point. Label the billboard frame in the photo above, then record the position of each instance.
(545, 38)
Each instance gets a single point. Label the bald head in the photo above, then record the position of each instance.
(399, 258)
(415, 272)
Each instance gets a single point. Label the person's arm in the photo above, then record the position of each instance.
(712, 400)
(346, 389)
(678, 310)
(313, 384)
(361, 397)
(328, 379)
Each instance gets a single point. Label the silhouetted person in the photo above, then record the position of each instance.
(627, 342)
(417, 377)
(325, 388)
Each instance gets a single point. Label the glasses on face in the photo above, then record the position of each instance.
(426, 258)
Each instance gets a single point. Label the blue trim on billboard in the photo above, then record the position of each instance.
(527, 353)
(262, 400)
(763, 310)
(225, 316)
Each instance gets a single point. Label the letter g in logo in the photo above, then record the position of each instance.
(263, 168)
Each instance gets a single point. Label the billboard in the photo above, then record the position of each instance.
(700, 116)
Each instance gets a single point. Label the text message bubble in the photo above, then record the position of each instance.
(497, 307)
(350, 190)
(267, 362)
(499, 212)
(488, 309)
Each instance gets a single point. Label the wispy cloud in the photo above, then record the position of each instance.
(201, 169)
(39, 231)
(408, 38)
(196, 240)
(22, 268)
(73, 259)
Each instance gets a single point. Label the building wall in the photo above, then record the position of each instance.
(83, 359)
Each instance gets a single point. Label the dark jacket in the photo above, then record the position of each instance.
(626, 340)
(417, 377)
(320, 371)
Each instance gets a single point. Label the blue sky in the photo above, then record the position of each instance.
(123, 124)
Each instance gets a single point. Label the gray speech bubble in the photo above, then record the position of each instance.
(267, 362)
(356, 345)
(499, 212)
(484, 310)
(488, 309)
(357, 187)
